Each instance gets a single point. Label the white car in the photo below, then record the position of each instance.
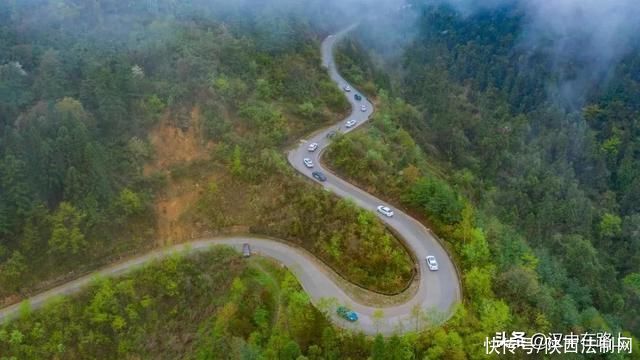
(307, 162)
(386, 211)
(347, 88)
(432, 263)
(312, 147)
(351, 123)
(363, 108)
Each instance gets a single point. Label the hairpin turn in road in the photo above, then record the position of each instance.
(437, 291)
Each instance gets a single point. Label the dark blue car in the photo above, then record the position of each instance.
(319, 176)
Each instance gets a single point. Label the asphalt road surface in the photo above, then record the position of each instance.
(437, 291)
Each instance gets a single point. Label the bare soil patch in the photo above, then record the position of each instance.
(176, 146)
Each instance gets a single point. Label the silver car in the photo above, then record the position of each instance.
(246, 250)
(312, 147)
(432, 263)
(351, 123)
(307, 162)
(385, 210)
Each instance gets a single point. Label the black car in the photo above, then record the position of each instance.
(357, 97)
(319, 176)
(331, 134)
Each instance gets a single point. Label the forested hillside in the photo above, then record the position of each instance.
(566, 178)
(129, 125)
(165, 311)
(554, 185)
(122, 122)
(213, 305)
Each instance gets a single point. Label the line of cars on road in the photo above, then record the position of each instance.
(356, 96)
(432, 263)
(386, 211)
(351, 123)
(318, 175)
(342, 311)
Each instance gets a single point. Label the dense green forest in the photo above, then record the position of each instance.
(567, 179)
(553, 188)
(536, 199)
(83, 84)
(176, 308)
(212, 305)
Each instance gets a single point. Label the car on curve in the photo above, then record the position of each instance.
(432, 263)
(319, 176)
(307, 162)
(385, 210)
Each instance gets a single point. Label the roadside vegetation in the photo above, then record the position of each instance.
(537, 204)
(282, 205)
(359, 69)
(549, 179)
(111, 144)
(208, 305)
(533, 199)
(198, 306)
(384, 159)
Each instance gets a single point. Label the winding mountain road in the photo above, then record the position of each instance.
(436, 292)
